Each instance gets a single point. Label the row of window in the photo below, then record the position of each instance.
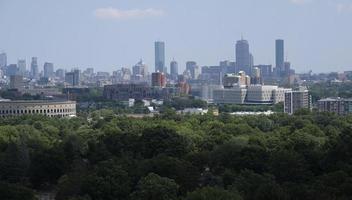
(41, 111)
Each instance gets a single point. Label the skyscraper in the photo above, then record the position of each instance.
(280, 57)
(193, 68)
(174, 70)
(139, 71)
(22, 66)
(243, 57)
(73, 78)
(48, 70)
(11, 70)
(34, 68)
(3, 60)
(160, 56)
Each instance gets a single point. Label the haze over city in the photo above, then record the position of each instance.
(110, 34)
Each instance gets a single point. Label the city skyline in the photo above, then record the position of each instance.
(108, 35)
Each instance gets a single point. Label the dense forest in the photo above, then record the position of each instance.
(108, 157)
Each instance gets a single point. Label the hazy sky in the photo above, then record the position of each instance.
(108, 34)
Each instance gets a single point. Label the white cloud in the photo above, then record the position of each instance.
(344, 7)
(117, 14)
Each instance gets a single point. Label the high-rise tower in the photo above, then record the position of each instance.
(159, 56)
(174, 70)
(34, 68)
(280, 57)
(243, 57)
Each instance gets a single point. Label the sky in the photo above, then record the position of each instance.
(110, 34)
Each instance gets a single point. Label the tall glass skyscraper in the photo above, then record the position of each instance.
(48, 70)
(243, 57)
(280, 57)
(174, 70)
(160, 56)
(34, 68)
(22, 67)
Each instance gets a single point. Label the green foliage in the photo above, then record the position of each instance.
(107, 156)
(154, 187)
(15, 192)
(210, 193)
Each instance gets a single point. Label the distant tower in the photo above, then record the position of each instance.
(193, 68)
(243, 57)
(48, 70)
(174, 70)
(22, 66)
(34, 68)
(3, 60)
(280, 57)
(139, 71)
(159, 56)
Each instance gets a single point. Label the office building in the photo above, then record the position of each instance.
(16, 82)
(228, 67)
(243, 57)
(73, 78)
(11, 70)
(34, 68)
(48, 108)
(280, 57)
(265, 70)
(22, 66)
(48, 70)
(160, 56)
(240, 79)
(174, 70)
(60, 73)
(287, 69)
(337, 105)
(193, 68)
(296, 100)
(256, 76)
(252, 94)
(139, 71)
(3, 60)
(123, 92)
(212, 75)
(158, 79)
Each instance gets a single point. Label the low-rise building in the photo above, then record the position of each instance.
(123, 92)
(253, 94)
(339, 106)
(48, 108)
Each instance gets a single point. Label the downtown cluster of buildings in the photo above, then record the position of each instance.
(230, 82)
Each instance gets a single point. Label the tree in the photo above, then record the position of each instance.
(107, 181)
(162, 140)
(15, 192)
(154, 187)
(211, 193)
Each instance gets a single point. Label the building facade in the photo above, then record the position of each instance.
(174, 70)
(280, 57)
(296, 100)
(123, 92)
(48, 70)
(339, 106)
(158, 79)
(159, 56)
(34, 68)
(243, 57)
(47, 108)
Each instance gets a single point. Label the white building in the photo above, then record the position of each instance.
(235, 95)
(253, 94)
(48, 108)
